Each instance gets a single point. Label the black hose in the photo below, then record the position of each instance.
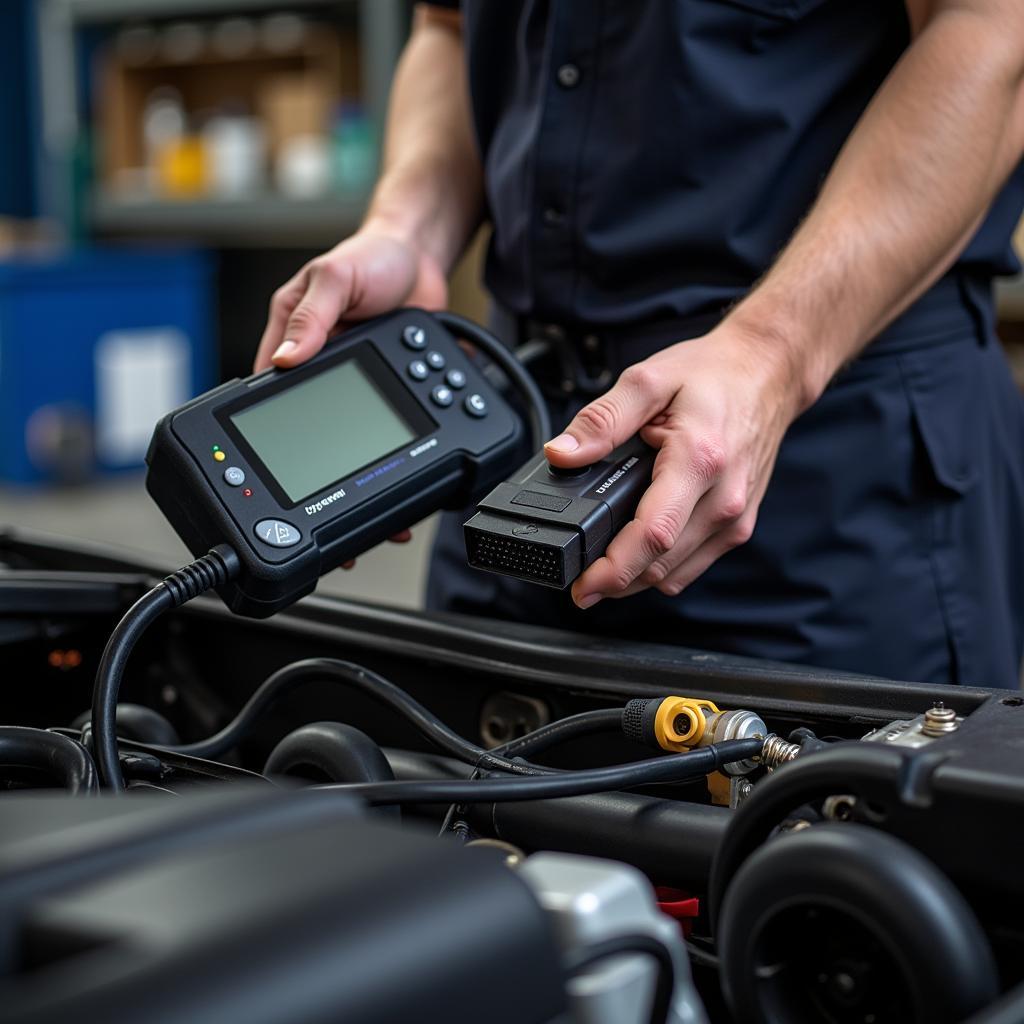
(338, 751)
(289, 678)
(584, 724)
(808, 901)
(645, 944)
(1007, 1010)
(134, 722)
(672, 840)
(540, 419)
(59, 757)
(670, 768)
(587, 723)
(119, 647)
(212, 570)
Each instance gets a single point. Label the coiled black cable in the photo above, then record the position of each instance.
(205, 573)
(671, 768)
(649, 946)
(61, 758)
(289, 678)
(540, 419)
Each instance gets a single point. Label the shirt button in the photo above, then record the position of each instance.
(568, 76)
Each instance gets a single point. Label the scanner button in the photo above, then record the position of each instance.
(456, 379)
(418, 370)
(442, 395)
(234, 476)
(567, 472)
(277, 533)
(435, 360)
(414, 337)
(476, 405)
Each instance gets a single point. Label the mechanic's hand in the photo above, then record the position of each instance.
(717, 408)
(368, 274)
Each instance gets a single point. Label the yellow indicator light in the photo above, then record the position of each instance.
(219, 456)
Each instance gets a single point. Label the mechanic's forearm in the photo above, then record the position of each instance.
(904, 197)
(431, 186)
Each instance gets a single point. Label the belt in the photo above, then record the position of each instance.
(584, 360)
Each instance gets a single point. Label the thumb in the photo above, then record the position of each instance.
(600, 427)
(327, 298)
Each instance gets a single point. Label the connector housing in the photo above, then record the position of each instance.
(546, 525)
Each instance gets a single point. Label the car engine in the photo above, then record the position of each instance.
(355, 813)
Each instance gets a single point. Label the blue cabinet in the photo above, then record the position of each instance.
(95, 346)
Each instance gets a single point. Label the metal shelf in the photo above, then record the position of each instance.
(382, 26)
(262, 221)
(135, 10)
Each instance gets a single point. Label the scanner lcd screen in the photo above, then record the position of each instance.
(323, 429)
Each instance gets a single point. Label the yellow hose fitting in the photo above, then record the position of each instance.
(680, 721)
(675, 724)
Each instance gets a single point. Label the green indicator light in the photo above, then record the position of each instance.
(216, 448)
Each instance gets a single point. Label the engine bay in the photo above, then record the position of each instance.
(837, 848)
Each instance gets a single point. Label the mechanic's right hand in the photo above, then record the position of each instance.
(366, 275)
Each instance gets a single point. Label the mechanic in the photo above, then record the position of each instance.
(773, 226)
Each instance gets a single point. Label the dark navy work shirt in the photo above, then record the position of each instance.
(646, 160)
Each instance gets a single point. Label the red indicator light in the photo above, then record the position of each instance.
(247, 492)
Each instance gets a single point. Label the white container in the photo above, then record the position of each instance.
(303, 168)
(236, 155)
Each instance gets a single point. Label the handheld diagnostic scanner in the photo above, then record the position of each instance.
(546, 525)
(299, 470)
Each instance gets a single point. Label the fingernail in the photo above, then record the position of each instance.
(563, 443)
(588, 601)
(286, 348)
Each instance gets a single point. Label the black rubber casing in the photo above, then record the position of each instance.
(454, 458)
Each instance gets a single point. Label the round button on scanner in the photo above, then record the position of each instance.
(418, 370)
(435, 360)
(234, 476)
(442, 395)
(567, 472)
(456, 379)
(414, 337)
(476, 405)
(277, 533)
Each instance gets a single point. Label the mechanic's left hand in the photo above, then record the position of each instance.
(717, 407)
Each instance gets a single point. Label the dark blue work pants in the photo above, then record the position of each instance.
(890, 540)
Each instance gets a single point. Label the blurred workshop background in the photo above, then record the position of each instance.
(165, 165)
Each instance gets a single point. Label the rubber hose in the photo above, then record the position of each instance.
(61, 758)
(338, 751)
(844, 918)
(139, 723)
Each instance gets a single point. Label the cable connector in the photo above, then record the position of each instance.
(675, 724)
(217, 567)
